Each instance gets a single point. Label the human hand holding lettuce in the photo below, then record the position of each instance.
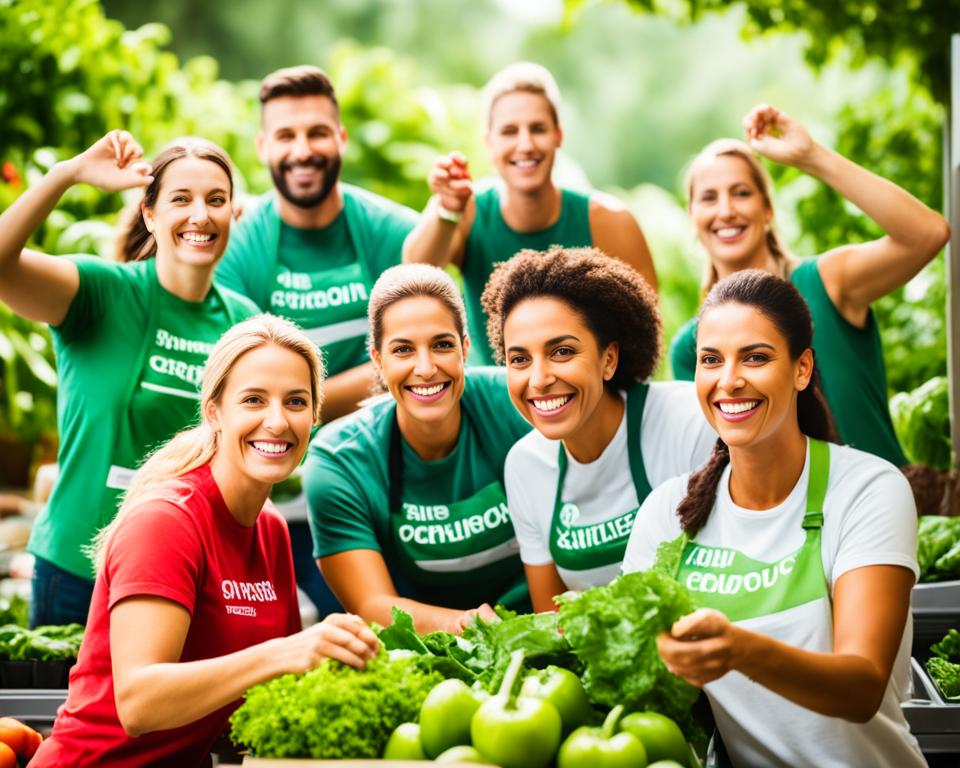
(606, 636)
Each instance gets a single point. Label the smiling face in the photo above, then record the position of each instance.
(421, 358)
(556, 369)
(746, 381)
(264, 416)
(522, 139)
(302, 141)
(730, 212)
(191, 216)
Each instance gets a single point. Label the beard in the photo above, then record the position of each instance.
(330, 167)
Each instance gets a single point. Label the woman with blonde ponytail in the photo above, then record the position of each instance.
(131, 339)
(195, 599)
(800, 553)
(730, 203)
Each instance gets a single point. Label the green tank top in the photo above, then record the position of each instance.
(492, 241)
(851, 366)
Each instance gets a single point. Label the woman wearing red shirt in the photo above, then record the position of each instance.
(195, 599)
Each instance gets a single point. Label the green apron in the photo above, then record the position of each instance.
(459, 543)
(743, 588)
(583, 547)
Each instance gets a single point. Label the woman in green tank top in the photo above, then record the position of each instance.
(131, 339)
(731, 207)
(475, 229)
(407, 506)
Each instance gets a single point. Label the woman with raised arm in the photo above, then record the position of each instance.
(195, 599)
(801, 552)
(525, 209)
(407, 506)
(131, 339)
(580, 335)
(731, 205)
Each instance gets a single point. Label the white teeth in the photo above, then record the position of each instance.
(729, 231)
(271, 447)
(196, 237)
(739, 407)
(525, 163)
(552, 404)
(427, 391)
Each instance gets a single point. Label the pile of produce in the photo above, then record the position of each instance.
(506, 692)
(938, 548)
(49, 643)
(944, 665)
(922, 422)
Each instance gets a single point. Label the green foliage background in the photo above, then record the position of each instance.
(642, 91)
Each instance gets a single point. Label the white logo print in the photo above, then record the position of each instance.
(569, 514)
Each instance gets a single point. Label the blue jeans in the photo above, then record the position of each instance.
(308, 575)
(59, 597)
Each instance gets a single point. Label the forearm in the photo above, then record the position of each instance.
(432, 240)
(168, 695)
(29, 211)
(426, 617)
(343, 392)
(836, 685)
(903, 217)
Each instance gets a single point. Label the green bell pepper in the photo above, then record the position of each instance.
(404, 743)
(445, 716)
(602, 747)
(516, 732)
(661, 736)
(563, 689)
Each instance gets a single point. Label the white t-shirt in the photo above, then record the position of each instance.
(869, 519)
(674, 438)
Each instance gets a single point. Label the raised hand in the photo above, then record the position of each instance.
(450, 181)
(112, 164)
(339, 636)
(777, 136)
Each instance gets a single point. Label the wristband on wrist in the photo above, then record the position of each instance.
(445, 214)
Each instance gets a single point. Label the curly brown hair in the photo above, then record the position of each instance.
(615, 302)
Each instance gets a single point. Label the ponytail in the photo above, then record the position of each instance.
(695, 508)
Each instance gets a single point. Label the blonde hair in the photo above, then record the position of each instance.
(784, 259)
(524, 77)
(197, 445)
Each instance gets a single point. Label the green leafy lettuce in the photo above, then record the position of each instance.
(333, 711)
(922, 422)
(613, 630)
(943, 666)
(938, 548)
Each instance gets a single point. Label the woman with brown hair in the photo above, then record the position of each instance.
(730, 203)
(800, 552)
(131, 339)
(580, 335)
(199, 558)
(407, 506)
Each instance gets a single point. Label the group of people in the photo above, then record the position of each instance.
(192, 376)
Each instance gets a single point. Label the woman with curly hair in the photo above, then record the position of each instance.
(580, 334)
(801, 553)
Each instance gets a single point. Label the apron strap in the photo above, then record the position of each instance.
(636, 400)
(817, 483)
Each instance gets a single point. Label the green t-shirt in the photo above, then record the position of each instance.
(850, 360)
(129, 356)
(492, 241)
(319, 278)
(451, 542)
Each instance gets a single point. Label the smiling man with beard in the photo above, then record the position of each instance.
(311, 251)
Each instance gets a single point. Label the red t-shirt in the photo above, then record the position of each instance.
(236, 582)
